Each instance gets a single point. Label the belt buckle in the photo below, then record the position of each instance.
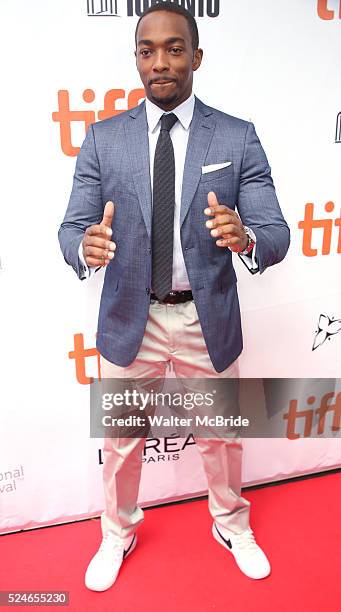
(171, 297)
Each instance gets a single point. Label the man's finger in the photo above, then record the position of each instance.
(94, 262)
(91, 251)
(97, 230)
(99, 242)
(221, 209)
(212, 200)
(228, 242)
(232, 212)
(108, 214)
(220, 220)
(230, 228)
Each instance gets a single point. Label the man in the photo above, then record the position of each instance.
(143, 184)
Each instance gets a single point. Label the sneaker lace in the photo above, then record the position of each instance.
(246, 541)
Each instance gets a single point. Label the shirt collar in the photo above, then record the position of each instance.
(184, 113)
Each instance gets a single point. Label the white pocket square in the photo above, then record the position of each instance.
(213, 167)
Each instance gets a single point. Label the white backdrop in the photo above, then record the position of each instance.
(275, 63)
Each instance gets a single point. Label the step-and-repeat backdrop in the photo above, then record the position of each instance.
(68, 64)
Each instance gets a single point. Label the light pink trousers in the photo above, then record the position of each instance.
(173, 334)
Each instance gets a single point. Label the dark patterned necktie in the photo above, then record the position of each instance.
(163, 209)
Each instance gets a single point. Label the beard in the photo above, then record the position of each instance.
(164, 101)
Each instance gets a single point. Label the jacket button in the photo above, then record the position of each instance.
(147, 291)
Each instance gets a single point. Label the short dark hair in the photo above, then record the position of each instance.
(174, 8)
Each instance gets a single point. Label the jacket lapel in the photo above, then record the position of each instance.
(200, 136)
(136, 129)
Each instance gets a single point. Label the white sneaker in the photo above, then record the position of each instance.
(248, 555)
(105, 565)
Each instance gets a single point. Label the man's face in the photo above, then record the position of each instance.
(165, 58)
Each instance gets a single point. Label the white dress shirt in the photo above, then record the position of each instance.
(179, 135)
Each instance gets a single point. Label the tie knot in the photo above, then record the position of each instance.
(167, 121)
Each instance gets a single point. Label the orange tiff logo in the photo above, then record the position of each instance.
(310, 225)
(80, 354)
(330, 404)
(66, 117)
(325, 12)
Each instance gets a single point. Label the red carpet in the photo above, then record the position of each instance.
(178, 567)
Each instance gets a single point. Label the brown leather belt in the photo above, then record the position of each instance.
(174, 297)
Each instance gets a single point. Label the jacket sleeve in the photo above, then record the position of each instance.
(85, 206)
(258, 205)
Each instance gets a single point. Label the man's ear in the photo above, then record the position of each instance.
(197, 59)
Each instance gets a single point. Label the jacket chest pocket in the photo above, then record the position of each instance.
(215, 175)
(222, 183)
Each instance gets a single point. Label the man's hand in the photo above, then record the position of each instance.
(226, 225)
(98, 250)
